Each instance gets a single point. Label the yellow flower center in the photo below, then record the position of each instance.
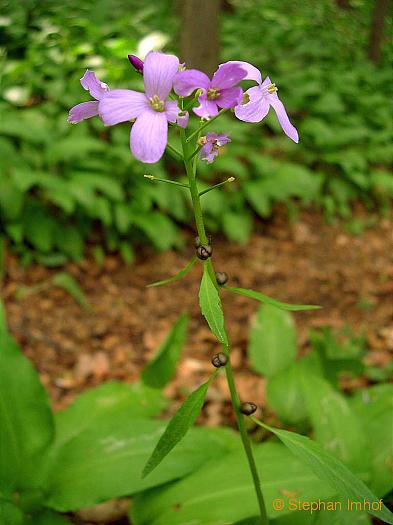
(157, 104)
(271, 88)
(213, 93)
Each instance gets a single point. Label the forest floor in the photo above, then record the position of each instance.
(306, 262)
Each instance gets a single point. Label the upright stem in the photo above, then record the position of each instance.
(191, 173)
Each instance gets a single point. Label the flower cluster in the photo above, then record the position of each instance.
(151, 112)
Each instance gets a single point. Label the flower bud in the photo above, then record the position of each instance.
(222, 278)
(248, 408)
(219, 360)
(204, 251)
(136, 63)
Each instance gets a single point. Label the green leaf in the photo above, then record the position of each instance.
(284, 392)
(47, 517)
(337, 428)
(10, 514)
(26, 428)
(106, 458)
(273, 302)
(210, 303)
(374, 406)
(158, 372)
(69, 284)
(329, 468)
(222, 490)
(176, 277)
(178, 426)
(237, 226)
(111, 399)
(272, 344)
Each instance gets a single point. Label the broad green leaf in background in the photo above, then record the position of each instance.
(374, 406)
(222, 491)
(329, 468)
(10, 514)
(160, 370)
(176, 277)
(178, 426)
(337, 428)
(112, 399)
(26, 422)
(210, 303)
(237, 226)
(258, 296)
(284, 393)
(106, 460)
(341, 516)
(272, 344)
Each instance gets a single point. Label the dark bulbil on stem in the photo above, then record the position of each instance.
(221, 278)
(204, 251)
(248, 408)
(219, 360)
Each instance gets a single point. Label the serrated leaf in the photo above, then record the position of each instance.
(178, 426)
(258, 296)
(272, 343)
(210, 303)
(182, 273)
(160, 370)
(330, 469)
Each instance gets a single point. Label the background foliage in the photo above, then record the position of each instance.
(63, 185)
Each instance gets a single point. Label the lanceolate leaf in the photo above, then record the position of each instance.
(329, 468)
(160, 370)
(176, 277)
(210, 303)
(178, 426)
(258, 296)
(272, 344)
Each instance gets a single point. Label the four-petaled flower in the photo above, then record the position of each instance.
(152, 111)
(219, 92)
(211, 145)
(258, 100)
(97, 90)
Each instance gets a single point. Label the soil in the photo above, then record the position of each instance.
(75, 348)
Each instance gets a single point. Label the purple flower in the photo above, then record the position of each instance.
(259, 99)
(136, 63)
(97, 90)
(182, 119)
(219, 92)
(149, 133)
(211, 145)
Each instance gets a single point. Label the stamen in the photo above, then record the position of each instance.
(272, 88)
(246, 98)
(157, 104)
(213, 93)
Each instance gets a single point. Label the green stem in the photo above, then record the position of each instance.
(167, 181)
(174, 152)
(205, 124)
(191, 174)
(231, 179)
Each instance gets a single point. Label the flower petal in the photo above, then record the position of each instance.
(120, 105)
(171, 111)
(227, 75)
(185, 82)
(252, 72)
(149, 136)
(207, 108)
(95, 87)
(283, 118)
(158, 72)
(230, 97)
(83, 111)
(256, 109)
